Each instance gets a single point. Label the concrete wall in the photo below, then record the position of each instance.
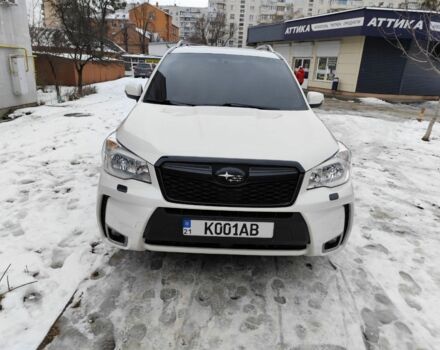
(14, 31)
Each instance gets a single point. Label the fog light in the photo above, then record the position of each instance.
(333, 243)
(116, 237)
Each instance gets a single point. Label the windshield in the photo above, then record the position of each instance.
(196, 79)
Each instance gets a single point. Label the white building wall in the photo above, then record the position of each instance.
(17, 70)
(241, 14)
(306, 8)
(185, 17)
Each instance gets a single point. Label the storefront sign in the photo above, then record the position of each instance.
(402, 23)
(434, 26)
(316, 27)
(365, 22)
(345, 23)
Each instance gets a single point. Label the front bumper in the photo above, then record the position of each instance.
(125, 207)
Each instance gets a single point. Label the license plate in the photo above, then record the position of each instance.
(233, 229)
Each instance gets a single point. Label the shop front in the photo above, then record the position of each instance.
(361, 49)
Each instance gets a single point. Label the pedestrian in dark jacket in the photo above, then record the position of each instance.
(299, 74)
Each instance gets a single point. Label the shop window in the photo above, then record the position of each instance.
(326, 68)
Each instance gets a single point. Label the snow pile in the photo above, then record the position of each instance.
(48, 226)
(373, 101)
(384, 287)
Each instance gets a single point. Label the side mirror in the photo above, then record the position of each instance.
(315, 99)
(133, 90)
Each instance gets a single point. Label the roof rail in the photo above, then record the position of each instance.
(180, 43)
(266, 47)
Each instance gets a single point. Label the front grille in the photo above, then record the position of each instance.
(197, 181)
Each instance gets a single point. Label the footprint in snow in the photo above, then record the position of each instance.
(377, 247)
(319, 293)
(58, 258)
(252, 323)
(383, 299)
(300, 331)
(168, 314)
(277, 285)
(371, 326)
(402, 327)
(409, 290)
(26, 181)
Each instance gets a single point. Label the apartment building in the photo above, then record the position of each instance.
(185, 18)
(242, 14)
(306, 8)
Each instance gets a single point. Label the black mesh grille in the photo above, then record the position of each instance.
(265, 185)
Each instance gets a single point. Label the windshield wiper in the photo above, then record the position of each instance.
(243, 105)
(170, 102)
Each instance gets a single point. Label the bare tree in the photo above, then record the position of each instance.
(32, 7)
(200, 35)
(212, 30)
(430, 5)
(103, 8)
(45, 42)
(144, 18)
(424, 46)
(125, 34)
(82, 32)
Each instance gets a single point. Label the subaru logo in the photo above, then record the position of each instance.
(231, 175)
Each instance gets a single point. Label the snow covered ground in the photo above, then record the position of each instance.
(381, 292)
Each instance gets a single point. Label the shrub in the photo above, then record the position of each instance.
(86, 90)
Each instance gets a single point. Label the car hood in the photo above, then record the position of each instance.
(153, 131)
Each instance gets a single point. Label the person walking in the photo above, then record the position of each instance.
(299, 74)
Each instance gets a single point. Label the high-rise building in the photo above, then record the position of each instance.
(185, 18)
(305, 8)
(242, 14)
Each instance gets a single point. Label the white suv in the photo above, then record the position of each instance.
(223, 155)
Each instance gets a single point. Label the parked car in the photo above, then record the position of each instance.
(143, 70)
(215, 159)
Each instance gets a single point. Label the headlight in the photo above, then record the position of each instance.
(120, 162)
(333, 172)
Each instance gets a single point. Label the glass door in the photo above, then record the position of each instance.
(303, 62)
